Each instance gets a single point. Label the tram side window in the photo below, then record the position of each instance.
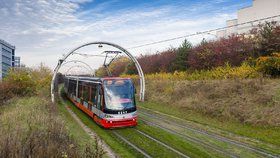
(86, 93)
(93, 94)
(74, 87)
(99, 98)
(80, 95)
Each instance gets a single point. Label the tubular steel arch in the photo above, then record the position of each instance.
(66, 72)
(75, 61)
(139, 69)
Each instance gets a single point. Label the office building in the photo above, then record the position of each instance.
(261, 9)
(17, 62)
(7, 57)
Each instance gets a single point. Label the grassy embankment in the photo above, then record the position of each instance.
(32, 126)
(247, 107)
(151, 147)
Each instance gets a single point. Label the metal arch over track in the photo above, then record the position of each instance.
(79, 66)
(139, 69)
(78, 61)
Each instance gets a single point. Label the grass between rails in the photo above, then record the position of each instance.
(176, 142)
(266, 134)
(120, 148)
(151, 147)
(184, 131)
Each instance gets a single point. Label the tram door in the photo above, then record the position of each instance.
(96, 99)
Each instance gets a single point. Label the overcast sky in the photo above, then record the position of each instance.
(43, 30)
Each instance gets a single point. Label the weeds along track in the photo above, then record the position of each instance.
(161, 143)
(217, 137)
(191, 139)
(144, 153)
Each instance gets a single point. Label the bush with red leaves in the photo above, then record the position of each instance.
(233, 50)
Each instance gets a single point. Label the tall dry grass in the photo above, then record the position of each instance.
(253, 101)
(31, 127)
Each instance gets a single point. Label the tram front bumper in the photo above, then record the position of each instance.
(119, 123)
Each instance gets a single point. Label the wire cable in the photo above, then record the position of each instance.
(203, 32)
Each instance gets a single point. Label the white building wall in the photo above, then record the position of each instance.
(259, 10)
(232, 30)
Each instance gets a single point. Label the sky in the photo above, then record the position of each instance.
(44, 30)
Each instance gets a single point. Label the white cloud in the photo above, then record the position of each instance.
(42, 30)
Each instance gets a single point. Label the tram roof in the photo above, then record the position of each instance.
(96, 79)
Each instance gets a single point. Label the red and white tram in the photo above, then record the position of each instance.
(109, 101)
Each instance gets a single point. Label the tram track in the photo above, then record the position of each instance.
(191, 139)
(211, 135)
(163, 144)
(144, 153)
(118, 135)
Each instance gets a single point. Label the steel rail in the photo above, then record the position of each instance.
(163, 144)
(132, 145)
(217, 137)
(194, 140)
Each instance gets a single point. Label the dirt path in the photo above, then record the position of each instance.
(93, 135)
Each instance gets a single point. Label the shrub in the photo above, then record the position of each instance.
(267, 38)
(26, 82)
(233, 50)
(21, 82)
(269, 65)
(222, 72)
(117, 67)
(159, 62)
(6, 92)
(42, 77)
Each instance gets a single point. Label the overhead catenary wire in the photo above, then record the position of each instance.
(203, 32)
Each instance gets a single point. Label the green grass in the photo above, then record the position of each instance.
(151, 147)
(119, 147)
(266, 134)
(74, 129)
(188, 148)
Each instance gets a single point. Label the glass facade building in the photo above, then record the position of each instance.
(17, 62)
(7, 57)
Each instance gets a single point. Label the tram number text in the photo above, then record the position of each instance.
(122, 112)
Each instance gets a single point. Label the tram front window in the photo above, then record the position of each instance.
(119, 94)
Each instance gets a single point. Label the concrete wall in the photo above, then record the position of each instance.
(233, 29)
(260, 9)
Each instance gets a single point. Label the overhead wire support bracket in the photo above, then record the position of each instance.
(113, 58)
